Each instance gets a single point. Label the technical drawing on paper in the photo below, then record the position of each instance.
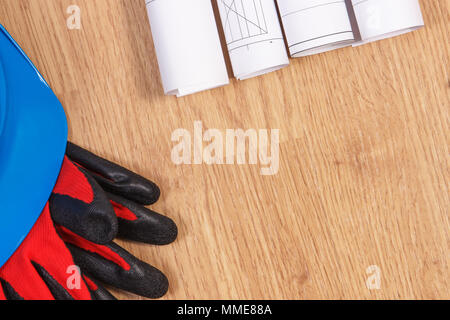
(254, 37)
(243, 19)
(315, 26)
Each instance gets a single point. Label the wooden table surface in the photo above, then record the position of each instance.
(364, 156)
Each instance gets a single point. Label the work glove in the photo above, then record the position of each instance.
(108, 189)
(93, 202)
(38, 270)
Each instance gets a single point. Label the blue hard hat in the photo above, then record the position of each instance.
(33, 139)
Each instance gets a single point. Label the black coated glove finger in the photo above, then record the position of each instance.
(7, 292)
(79, 204)
(114, 266)
(114, 178)
(140, 224)
(97, 291)
(56, 289)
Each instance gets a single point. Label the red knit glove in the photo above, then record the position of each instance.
(38, 270)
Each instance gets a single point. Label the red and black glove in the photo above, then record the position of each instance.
(38, 270)
(94, 201)
(126, 194)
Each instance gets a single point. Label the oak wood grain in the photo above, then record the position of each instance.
(364, 155)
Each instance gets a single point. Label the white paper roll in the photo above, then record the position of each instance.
(315, 26)
(254, 37)
(187, 45)
(381, 19)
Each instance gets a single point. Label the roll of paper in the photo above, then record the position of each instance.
(254, 38)
(315, 26)
(381, 19)
(187, 45)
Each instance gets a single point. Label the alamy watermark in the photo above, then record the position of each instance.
(74, 279)
(230, 146)
(74, 20)
(373, 282)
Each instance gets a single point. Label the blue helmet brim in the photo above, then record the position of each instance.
(33, 139)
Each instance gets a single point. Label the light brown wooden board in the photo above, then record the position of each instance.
(364, 167)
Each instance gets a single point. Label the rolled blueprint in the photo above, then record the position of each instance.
(315, 26)
(254, 38)
(187, 45)
(381, 19)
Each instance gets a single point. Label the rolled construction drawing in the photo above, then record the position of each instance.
(254, 37)
(187, 45)
(381, 19)
(315, 26)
